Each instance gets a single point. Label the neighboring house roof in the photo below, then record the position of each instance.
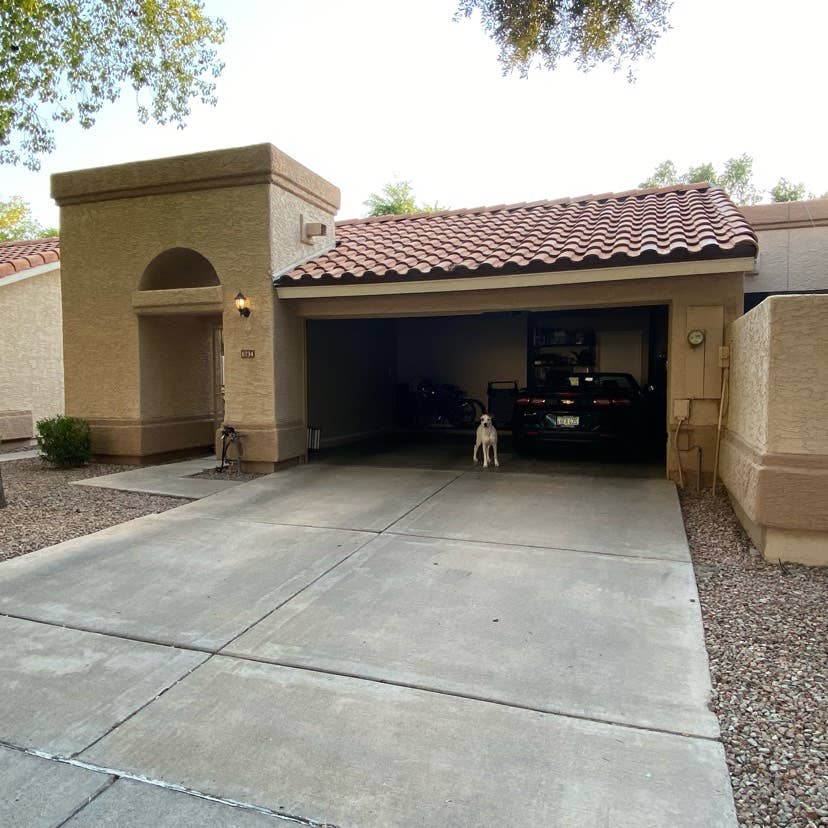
(787, 215)
(17, 256)
(694, 221)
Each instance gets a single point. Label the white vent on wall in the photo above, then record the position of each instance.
(308, 231)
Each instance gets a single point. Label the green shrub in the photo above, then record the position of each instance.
(64, 441)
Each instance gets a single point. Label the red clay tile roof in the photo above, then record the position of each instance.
(16, 256)
(693, 221)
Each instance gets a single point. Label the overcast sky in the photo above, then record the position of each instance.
(367, 90)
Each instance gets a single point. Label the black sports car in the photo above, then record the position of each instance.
(570, 407)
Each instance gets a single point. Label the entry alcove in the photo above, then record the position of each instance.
(179, 305)
(178, 281)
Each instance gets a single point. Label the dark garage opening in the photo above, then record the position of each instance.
(377, 387)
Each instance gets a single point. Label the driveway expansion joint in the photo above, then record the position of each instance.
(120, 635)
(114, 774)
(456, 694)
(106, 785)
(142, 707)
(297, 593)
(425, 500)
(210, 653)
(621, 555)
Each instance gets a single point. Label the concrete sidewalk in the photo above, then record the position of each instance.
(365, 646)
(171, 479)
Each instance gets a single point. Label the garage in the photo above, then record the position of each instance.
(614, 305)
(421, 382)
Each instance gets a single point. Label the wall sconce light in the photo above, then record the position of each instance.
(242, 304)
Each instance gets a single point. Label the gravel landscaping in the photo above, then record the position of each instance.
(765, 627)
(230, 473)
(44, 509)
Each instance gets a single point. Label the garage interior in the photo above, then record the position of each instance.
(364, 393)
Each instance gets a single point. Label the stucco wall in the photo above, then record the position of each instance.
(178, 369)
(240, 209)
(351, 378)
(750, 357)
(287, 212)
(774, 456)
(793, 246)
(31, 345)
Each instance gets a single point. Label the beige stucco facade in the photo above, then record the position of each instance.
(141, 365)
(140, 356)
(31, 350)
(774, 458)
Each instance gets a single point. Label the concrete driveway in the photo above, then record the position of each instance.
(366, 646)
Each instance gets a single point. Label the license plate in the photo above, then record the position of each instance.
(568, 421)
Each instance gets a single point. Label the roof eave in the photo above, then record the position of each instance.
(745, 248)
(695, 267)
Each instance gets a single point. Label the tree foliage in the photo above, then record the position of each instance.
(787, 191)
(591, 32)
(397, 199)
(65, 59)
(17, 222)
(736, 178)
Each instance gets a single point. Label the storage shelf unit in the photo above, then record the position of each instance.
(554, 348)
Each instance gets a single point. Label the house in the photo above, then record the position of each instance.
(217, 288)
(31, 342)
(793, 245)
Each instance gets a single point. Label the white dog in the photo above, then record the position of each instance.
(486, 437)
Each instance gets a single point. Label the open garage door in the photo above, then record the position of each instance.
(422, 382)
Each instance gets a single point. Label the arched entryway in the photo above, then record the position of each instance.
(181, 361)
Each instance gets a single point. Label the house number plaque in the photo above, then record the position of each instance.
(248, 353)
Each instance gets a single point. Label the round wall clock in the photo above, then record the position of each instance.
(695, 337)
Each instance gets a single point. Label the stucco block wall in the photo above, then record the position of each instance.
(31, 346)
(107, 381)
(791, 260)
(774, 458)
(289, 209)
(793, 246)
(750, 357)
(178, 367)
(351, 378)
(808, 259)
(239, 208)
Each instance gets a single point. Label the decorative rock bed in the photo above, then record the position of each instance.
(43, 509)
(766, 630)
